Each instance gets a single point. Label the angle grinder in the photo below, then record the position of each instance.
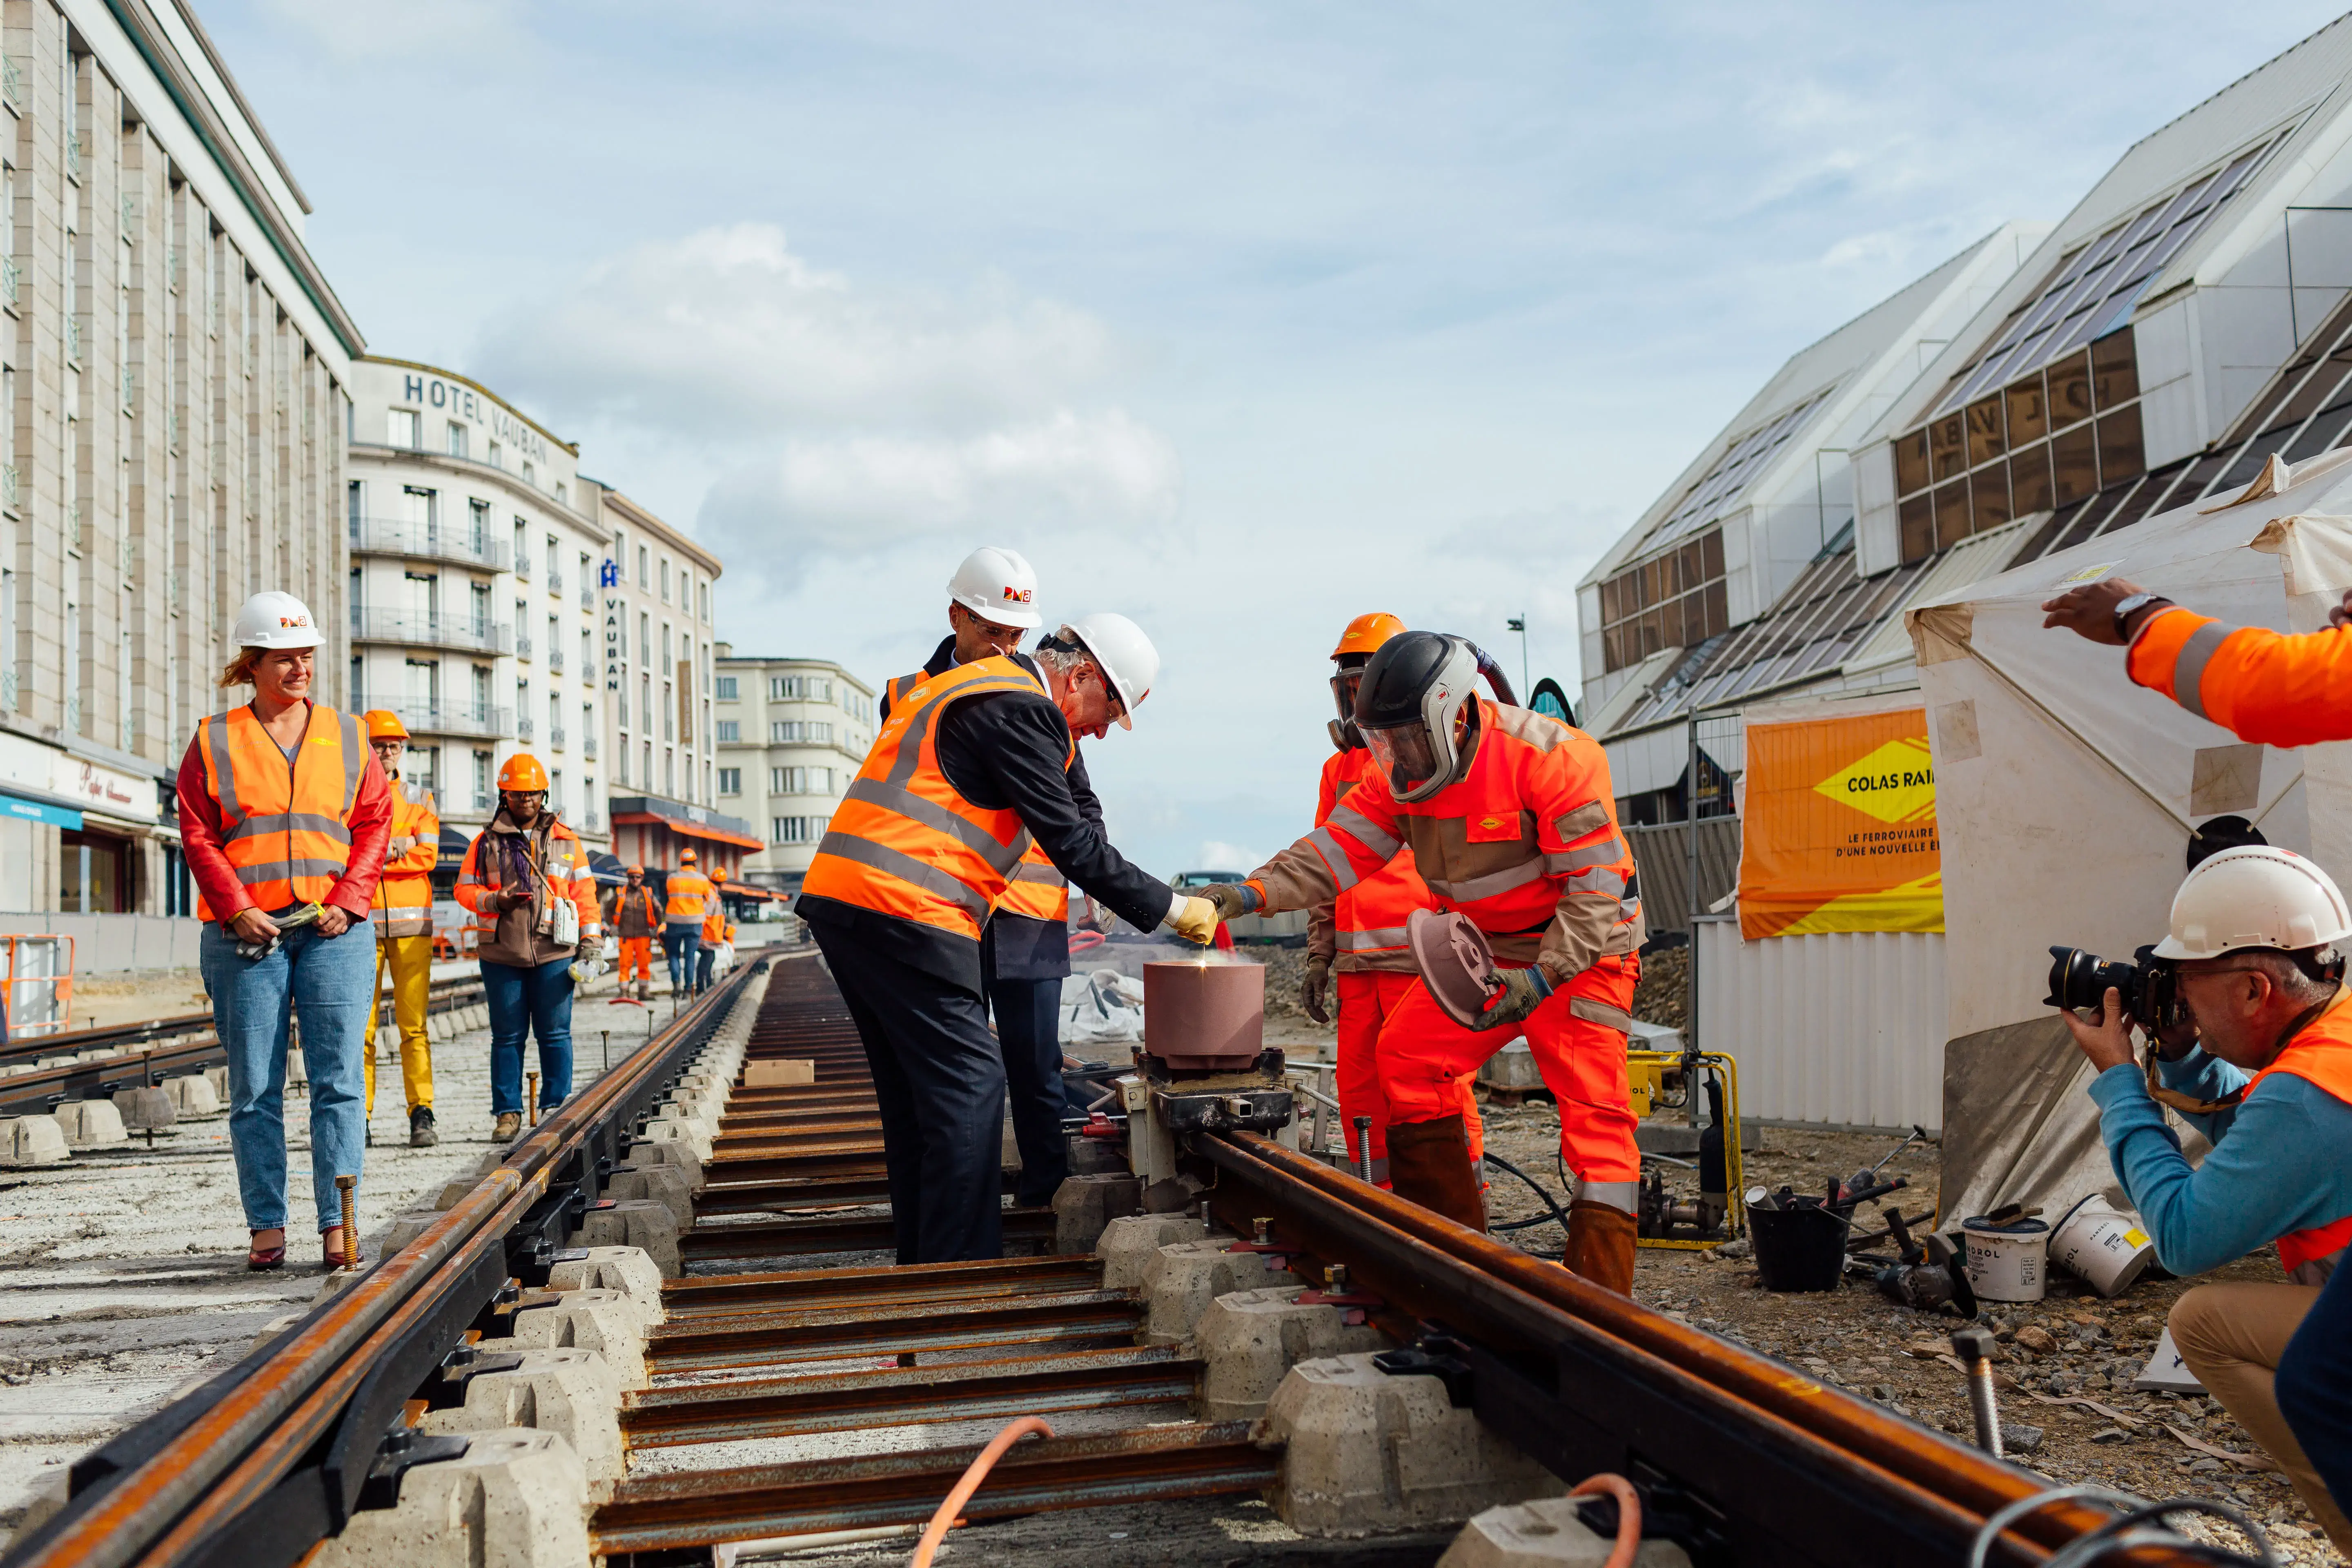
(1455, 963)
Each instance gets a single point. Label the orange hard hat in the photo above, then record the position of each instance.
(686, 859)
(523, 774)
(719, 875)
(1366, 632)
(636, 870)
(383, 724)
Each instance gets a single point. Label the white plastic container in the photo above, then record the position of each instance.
(2103, 1244)
(2007, 1262)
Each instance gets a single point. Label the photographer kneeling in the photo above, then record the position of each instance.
(2255, 1050)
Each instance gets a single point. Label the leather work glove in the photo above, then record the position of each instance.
(1195, 920)
(1310, 995)
(1517, 994)
(1231, 899)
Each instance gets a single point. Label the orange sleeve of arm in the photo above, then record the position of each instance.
(2273, 687)
(469, 888)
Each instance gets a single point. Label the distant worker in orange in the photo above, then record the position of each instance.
(635, 917)
(689, 896)
(526, 879)
(717, 931)
(1364, 928)
(1512, 822)
(403, 927)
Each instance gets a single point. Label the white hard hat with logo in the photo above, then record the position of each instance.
(2255, 896)
(1126, 655)
(274, 620)
(996, 585)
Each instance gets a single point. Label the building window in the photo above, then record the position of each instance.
(702, 601)
(784, 688)
(730, 731)
(1673, 600)
(789, 829)
(731, 781)
(645, 578)
(457, 440)
(665, 579)
(784, 731)
(401, 428)
(498, 456)
(726, 689)
(528, 477)
(483, 776)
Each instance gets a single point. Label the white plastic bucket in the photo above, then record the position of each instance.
(2007, 1262)
(2105, 1246)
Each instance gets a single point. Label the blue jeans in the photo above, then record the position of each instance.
(2314, 1384)
(326, 982)
(682, 944)
(537, 1001)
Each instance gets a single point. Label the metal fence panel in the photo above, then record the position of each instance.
(1661, 859)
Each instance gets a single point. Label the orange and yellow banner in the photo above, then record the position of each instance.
(1840, 829)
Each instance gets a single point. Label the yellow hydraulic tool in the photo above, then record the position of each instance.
(1712, 1218)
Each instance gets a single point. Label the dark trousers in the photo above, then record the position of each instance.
(680, 944)
(705, 957)
(1028, 1031)
(2314, 1384)
(941, 1085)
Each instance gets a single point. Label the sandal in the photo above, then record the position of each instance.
(259, 1260)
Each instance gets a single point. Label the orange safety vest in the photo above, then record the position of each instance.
(714, 924)
(1368, 918)
(284, 826)
(1037, 890)
(903, 842)
(689, 894)
(403, 905)
(2320, 1054)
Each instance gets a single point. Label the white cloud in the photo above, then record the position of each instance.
(727, 332)
(1216, 855)
(866, 495)
(378, 30)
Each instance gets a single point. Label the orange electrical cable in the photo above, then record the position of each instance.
(1605, 1484)
(977, 1472)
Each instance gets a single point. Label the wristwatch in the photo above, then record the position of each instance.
(2130, 606)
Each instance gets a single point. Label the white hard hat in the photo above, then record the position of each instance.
(1126, 656)
(2255, 896)
(274, 620)
(996, 585)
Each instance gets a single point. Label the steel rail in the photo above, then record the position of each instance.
(183, 1500)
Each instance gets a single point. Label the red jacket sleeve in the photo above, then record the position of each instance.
(370, 824)
(200, 841)
(2274, 688)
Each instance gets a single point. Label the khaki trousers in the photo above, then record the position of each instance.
(2231, 1336)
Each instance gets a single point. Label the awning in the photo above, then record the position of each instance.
(690, 829)
(27, 807)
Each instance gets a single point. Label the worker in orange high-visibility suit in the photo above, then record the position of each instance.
(715, 930)
(635, 916)
(688, 896)
(1363, 930)
(402, 914)
(1511, 821)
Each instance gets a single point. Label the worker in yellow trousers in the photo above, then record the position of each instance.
(403, 912)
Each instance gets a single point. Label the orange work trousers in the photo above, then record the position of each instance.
(638, 954)
(1367, 999)
(1427, 1062)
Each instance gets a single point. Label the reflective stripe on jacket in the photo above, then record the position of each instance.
(2321, 1054)
(633, 912)
(688, 893)
(1526, 845)
(403, 895)
(1367, 923)
(1036, 889)
(523, 936)
(905, 842)
(2276, 688)
(283, 823)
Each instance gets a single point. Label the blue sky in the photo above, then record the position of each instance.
(1237, 319)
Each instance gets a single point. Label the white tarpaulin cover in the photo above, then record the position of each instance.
(2066, 796)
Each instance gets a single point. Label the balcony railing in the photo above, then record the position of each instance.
(523, 565)
(12, 279)
(522, 728)
(554, 739)
(418, 628)
(523, 645)
(555, 658)
(445, 717)
(555, 582)
(400, 536)
(588, 748)
(587, 593)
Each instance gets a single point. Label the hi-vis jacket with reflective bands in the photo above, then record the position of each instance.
(1526, 845)
(552, 866)
(1364, 927)
(903, 842)
(1037, 890)
(403, 894)
(269, 833)
(687, 895)
(2276, 688)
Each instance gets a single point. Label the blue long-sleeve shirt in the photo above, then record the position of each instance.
(2277, 1163)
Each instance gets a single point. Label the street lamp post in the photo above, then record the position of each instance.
(1519, 624)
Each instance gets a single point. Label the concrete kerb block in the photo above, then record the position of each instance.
(1546, 1533)
(1365, 1452)
(1128, 1244)
(147, 1109)
(1183, 1278)
(218, 1077)
(1084, 1207)
(573, 1394)
(648, 1152)
(29, 1141)
(275, 1327)
(624, 1269)
(634, 1222)
(669, 1186)
(516, 1498)
(609, 1322)
(666, 1130)
(1252, 1339)
(91, 1124)
(194, 1098)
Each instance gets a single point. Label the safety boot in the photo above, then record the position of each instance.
(420, 1131)
(1599, 1243)
(1429, 1163)
(508, 1124)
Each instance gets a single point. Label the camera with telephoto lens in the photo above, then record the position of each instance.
(2150, 986)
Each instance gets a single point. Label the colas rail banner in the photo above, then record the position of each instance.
(1840, 830)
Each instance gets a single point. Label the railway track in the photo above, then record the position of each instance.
(787, 1337)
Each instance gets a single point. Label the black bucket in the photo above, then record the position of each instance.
(1801, 1249)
